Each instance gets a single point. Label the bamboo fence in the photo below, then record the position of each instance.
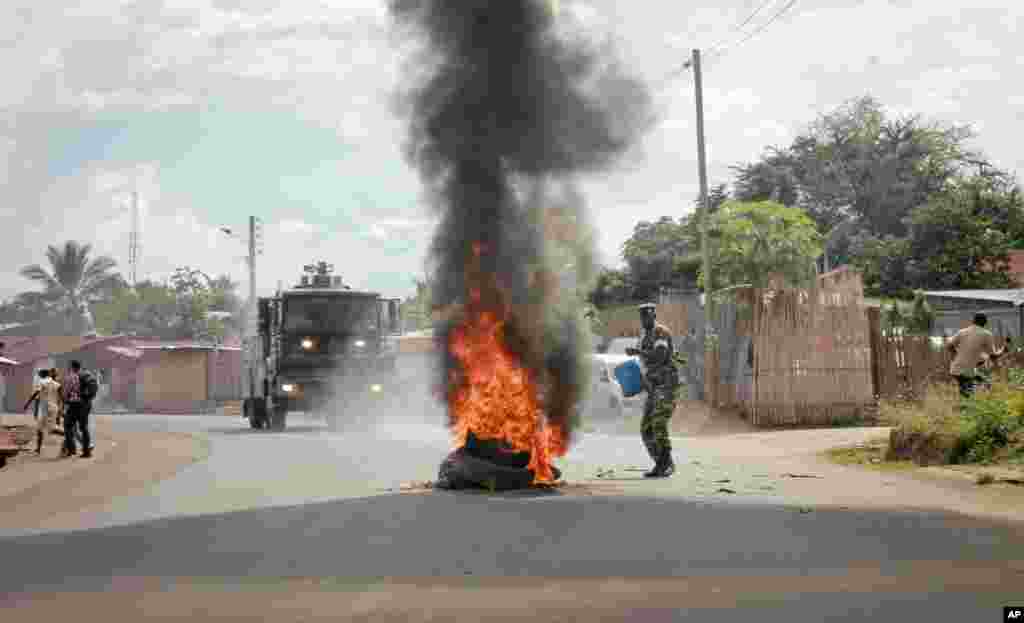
(812, 355)
(907, 364)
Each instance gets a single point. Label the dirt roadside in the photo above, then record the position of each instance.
(36, 488)
(722, 456)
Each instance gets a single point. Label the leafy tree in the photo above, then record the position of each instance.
(656, 254)
(856, 163)
(612, 286)
(957, 241)
(415, 310)
(882, 262)
(73, 281)
(148, 309)
(922, 317)
(754, 240)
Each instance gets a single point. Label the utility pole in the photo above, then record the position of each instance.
(704, 208)
(133, 239)
(251, 311)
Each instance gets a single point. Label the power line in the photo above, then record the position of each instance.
(740, 26)
(715, 51)
(760, 29)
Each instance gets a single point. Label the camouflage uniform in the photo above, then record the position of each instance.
(661, 381)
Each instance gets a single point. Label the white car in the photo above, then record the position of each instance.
(605, 391)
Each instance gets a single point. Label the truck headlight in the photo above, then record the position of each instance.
(288, 388)
(359, 344)
(376, 389)
(307, 344)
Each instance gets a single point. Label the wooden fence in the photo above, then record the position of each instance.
(811, 355)
(905, 365)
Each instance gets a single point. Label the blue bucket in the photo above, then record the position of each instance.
(630, 377)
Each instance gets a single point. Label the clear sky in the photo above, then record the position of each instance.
(220, 109)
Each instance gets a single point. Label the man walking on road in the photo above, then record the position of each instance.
(78, 395)
(48, 396)
(661, 380)
(970, 345)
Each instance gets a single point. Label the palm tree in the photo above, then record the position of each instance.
(74, 281)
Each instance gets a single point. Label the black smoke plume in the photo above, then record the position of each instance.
(502, 108)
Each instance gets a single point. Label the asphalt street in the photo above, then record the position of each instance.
(311, 503)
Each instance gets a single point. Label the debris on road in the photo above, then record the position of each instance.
(725, 490)
(800, 476)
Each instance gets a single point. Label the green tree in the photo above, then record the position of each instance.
(754, 240)
(415, 310)
(959, 239)
(149, 309)
(74, 281)
(656, 252)
(857, 163)
(882, 262)
(612, 286)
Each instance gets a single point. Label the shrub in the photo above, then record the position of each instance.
(980, 427)
(988, 425)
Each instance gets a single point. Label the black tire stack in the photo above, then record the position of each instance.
(486, 464)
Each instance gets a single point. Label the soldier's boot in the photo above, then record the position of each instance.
(668, 465)
(654, 471)
(659, 466)
(664, 468)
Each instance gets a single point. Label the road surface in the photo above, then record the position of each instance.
(243, 532)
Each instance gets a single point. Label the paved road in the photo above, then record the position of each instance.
(310, 503)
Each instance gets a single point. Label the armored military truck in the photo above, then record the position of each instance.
(322, 348)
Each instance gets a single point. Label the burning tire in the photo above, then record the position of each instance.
(461, 470)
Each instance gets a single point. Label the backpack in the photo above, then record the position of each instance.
(89, 386)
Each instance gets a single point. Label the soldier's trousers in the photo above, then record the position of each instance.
(658, 410)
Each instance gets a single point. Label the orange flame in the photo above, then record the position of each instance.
(496, 397)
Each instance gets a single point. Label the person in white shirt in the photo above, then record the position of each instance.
(48, 395)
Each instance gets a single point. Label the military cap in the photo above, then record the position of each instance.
(646, 307)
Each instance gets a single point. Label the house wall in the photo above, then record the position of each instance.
(951, 315)
(173, 381)
(4, 371)
(19, 383)
(224, 374)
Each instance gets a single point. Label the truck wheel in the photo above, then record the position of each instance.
(259, 418)
(249, 411)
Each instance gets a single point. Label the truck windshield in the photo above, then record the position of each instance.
(331, 314)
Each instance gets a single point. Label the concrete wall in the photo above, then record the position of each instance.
(19, 383)
(173, 381)
(224, 374)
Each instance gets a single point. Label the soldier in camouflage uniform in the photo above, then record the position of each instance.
(661, 380)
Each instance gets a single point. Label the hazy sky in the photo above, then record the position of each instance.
(225, 108)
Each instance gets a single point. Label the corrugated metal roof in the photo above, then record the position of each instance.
(125, 351)
(1014, 296)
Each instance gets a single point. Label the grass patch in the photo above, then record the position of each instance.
(871, 454)
(942, 428)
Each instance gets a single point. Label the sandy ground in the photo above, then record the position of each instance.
(35, 488)
(719, 454)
